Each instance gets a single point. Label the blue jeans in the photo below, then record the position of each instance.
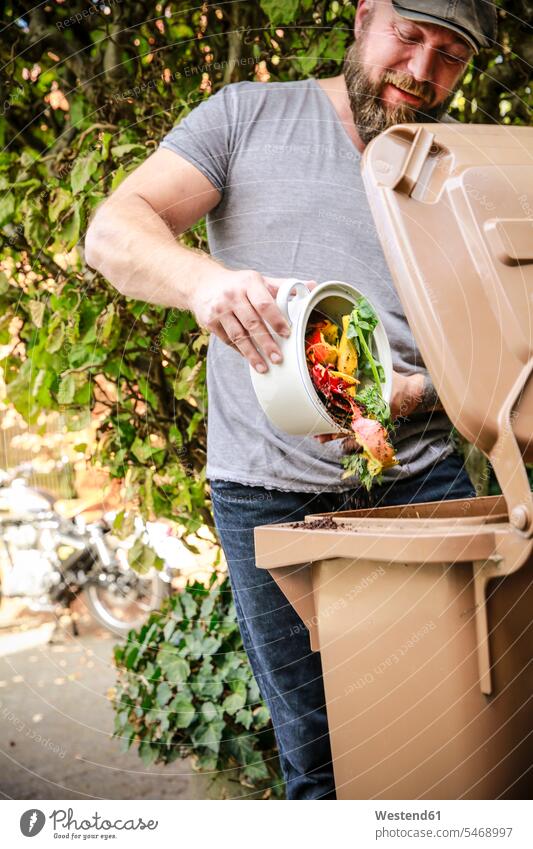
(288, 673)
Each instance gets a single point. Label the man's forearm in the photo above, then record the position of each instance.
(428, 399)
(413, 393)
(422, 396)
(132, 247)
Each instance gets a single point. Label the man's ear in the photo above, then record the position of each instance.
(362, 15)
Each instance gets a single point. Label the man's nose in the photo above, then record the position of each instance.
(421, 64)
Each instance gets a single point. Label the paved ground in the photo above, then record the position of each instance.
(56, 721)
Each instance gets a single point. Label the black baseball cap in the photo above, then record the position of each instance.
(474, 20)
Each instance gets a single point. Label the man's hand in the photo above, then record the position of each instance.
(236, 306)
(407, 394)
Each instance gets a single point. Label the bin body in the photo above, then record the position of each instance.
(400, 644)
(406, 715)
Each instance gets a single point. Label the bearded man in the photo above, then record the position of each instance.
(276, 169)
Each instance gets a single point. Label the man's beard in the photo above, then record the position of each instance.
(371, 115)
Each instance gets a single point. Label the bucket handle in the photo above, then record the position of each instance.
(284, 292)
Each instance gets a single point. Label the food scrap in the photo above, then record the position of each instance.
(348, 381)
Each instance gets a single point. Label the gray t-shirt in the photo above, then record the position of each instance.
(293, 205)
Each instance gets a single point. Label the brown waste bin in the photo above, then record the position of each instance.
(422, 613)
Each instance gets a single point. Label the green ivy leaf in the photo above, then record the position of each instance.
(106, 322)
(122, 149)
(60, 200)
(245, 717)
(208, 689)
(307, 64)
(164, 693)
(169, 629)
(56, 337)
(5, 333)
(255, 772)
(189, 605)
(209, 736)
(233, 703)
(42, 386)
(67, 388)
(210, 645)
(127, 735)
(239, 678)
(83, 169)
(175, 669)
(70, 231)
(36, 230)
(280, 11)
(131, 657)
(7, 207)
(107, 138)
(77, 419)
(82, 395)
(206, 762)
(142, 450)
(335, 45)
(243, 748)
(83, 356)
(36, 309)
(261, 716)
(253, 692)
(148, 753)
(19, 392)
(209, 711)
(119, 175)
(142, 558)
(184, 710)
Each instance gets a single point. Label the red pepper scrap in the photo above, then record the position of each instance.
(333, 388)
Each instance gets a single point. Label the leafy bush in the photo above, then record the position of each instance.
(84, 98)
(185, 688)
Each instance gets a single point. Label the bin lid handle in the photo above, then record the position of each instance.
(406, 177)
(508, 463)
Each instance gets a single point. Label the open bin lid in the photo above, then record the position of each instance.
(453, 206)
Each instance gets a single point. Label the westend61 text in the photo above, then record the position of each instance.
(407, 815)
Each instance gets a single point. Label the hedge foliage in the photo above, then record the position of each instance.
(185, 688)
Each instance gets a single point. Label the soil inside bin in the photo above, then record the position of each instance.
(325, 523)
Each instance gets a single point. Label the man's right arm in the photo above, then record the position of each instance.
(132, 241)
